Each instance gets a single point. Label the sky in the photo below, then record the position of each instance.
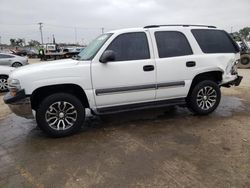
(82, 20)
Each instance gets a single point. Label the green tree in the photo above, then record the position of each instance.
(245, 32)
(33, 43)
(13, 42)
(236, 36)
(20, 42)
(17, 42)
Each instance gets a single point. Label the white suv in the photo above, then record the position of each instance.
(128, 69)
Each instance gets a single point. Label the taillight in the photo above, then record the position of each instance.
(234, 69)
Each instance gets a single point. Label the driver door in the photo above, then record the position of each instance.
(130, 77)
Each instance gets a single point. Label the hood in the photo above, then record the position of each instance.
(6, 70)
(50, 64)
(44, 67)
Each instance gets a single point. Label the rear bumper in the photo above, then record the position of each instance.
(235, 82)
(20, 104)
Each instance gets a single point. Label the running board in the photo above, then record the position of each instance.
(141, 106)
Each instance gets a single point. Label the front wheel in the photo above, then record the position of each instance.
(3, 83)
(204, 97)
(60, 114)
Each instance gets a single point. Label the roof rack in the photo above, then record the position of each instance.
(183, 25)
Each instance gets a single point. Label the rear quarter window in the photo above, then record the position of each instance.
(214, 41)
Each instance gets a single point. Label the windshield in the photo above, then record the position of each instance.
(90, 51)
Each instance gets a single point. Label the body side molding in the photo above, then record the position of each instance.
(107, 91)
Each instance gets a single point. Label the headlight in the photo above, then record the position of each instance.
(14, 86)
(13, 82)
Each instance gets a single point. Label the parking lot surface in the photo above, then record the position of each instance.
(167, 147)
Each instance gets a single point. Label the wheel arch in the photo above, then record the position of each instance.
(214, 75)
(5, 75)
(16, 62)
(40, 93)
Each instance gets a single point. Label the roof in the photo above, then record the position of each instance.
(174, 26)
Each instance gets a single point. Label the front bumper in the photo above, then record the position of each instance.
(20, 104)
(235, 82)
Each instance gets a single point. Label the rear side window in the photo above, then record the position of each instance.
(172, 44)
(214, 41)
(130, 46)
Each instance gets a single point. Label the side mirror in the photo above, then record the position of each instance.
(108, 55)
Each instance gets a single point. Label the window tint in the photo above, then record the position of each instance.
(130, 46)
(172, 43)
(5, 56)
(214, 41)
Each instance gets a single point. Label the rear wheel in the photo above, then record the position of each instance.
(204, 97)
(3, 83)
(17, 64)
(60, 114)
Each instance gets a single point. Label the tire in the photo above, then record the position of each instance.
(16, 64)
(63, 120)
(204, 98)
(244, 61)
(3, 83)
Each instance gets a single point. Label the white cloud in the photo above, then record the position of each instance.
(20, 18)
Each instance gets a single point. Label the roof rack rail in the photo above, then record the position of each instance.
(183, 25)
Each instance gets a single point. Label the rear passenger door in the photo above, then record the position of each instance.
(175, 63)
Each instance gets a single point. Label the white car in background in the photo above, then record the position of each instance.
(4, 75)
(12, 60)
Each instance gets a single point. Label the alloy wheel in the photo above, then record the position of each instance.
(61, 115)
(3, 84)
(206, 97)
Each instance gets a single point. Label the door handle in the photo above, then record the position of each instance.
(147, 68)
(191, 64)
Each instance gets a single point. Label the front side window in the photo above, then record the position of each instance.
(172, 44)
(3, 56)
(130, 46)
(214, 41)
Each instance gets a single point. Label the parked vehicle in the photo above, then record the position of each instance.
(12, 60)
(4, 75)
(20, 52)
(128, 69)
(245, 54)
(52, 51)
(31, 53)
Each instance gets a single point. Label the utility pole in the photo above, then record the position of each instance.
(75, 36)
(41, 30)
(102, 30)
